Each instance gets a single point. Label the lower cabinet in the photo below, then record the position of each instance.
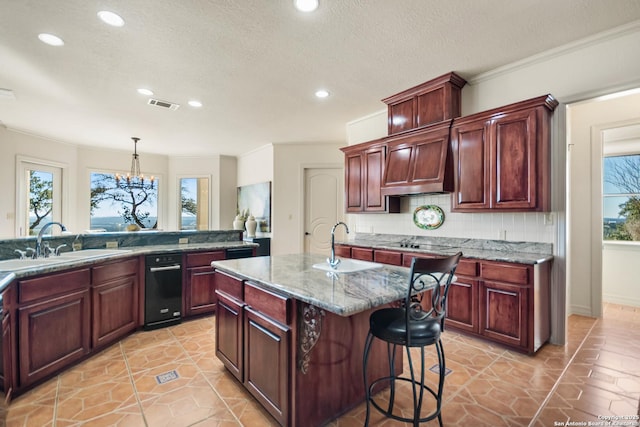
(504, 302)
(115, 301)
(199, 290)
(229, 333)
(53, 333)
(266, 365)
(253, 341)
(504, 312)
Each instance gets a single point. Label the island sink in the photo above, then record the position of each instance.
(348, 266)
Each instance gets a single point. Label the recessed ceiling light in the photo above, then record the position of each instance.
(322, 93)
(196, 104)
(50, 39)
(306, 5)
(111, 18)
(143, 91)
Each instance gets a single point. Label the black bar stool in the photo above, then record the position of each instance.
(409, 326)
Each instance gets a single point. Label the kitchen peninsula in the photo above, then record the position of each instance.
(294, 334)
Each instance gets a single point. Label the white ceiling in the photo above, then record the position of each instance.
(255, 64)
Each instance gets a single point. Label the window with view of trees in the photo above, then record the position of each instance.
(621, 197)
(194, 203)
(39, 186)
(40, 199)
(120, 205)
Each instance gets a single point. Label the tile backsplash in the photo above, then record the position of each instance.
(518, 226)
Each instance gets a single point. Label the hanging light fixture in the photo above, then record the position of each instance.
(135, 178)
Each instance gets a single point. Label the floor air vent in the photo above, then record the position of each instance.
(164, 104)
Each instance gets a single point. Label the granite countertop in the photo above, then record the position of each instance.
(489, 250)
(343, 294)
(93, 256)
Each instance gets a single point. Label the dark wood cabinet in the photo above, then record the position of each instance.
(501, 158)
(54, 323)
(419, 162)
(266, 365)
(229, 334)
(504, 302)
(199, 294)
(343, 251)
(364, 170)
(363, 254)
(6, 357)
(433, 101)
(115, 301)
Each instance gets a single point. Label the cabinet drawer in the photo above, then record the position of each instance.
(388, 257)
(204, 258)
(467, 268)
(114, 270)
(273, 305)
(53, 284)
(503, 272)
(230, 285)
(343, 251)
(363, 254)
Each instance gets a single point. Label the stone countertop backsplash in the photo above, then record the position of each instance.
(491, 250)
(123, 240)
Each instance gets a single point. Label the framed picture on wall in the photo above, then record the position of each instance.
(256, 200)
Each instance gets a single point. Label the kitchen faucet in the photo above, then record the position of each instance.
(333, 261)
(39, 240)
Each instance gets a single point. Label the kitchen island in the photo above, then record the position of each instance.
(294, 334)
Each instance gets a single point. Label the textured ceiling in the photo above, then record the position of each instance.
(255, 64)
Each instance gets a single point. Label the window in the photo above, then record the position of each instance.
(194, 204)
(39, 195)
(621, 197)
(122, 205)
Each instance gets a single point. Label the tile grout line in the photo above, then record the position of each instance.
(564, 371)
(207, 380)
(55, 402)
(133, 384)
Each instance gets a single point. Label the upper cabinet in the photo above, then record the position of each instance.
(501, 158)
(419, 162)
(431, 102)
(364, 169)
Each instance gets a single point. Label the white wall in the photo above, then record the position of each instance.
(290, 160)
(620, 272)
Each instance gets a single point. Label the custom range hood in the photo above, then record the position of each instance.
(418, 157)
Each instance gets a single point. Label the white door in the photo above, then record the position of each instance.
(323, 207)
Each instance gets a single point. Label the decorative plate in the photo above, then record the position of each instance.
(428, 217)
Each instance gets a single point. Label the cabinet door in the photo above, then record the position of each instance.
(462, 305)
(200, 292)
(514, 158)
(53, 334)
(374, 159)
(229, 335)
(6, 360)
(417, 163)
(353, 176)
(470, 145)
(266, 366)
(115, 310)
(504, 312)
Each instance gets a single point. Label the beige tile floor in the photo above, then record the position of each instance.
(595, 374)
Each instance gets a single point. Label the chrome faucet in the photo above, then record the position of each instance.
(333, 261)
(38, 253)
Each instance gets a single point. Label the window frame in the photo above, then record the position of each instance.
(60, 189)
(606, 195)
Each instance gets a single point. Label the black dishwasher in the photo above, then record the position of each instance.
(163, 290)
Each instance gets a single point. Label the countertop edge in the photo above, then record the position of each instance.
(127, 252)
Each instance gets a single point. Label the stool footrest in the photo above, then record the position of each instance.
(426, 418)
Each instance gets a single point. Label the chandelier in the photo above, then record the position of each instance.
(135, 178)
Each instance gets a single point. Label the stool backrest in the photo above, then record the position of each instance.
(441, 270)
